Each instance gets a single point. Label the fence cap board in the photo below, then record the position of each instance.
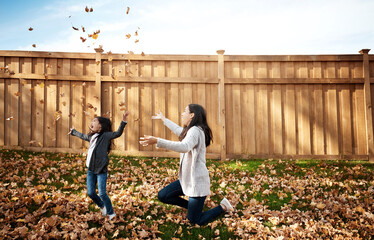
(105, 56)
(156, 57)
(295, 58)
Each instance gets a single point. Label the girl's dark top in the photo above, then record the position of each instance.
(100, 159)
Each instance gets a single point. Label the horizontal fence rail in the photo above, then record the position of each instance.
(312, 107)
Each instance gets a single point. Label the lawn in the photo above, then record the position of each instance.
(44, 195)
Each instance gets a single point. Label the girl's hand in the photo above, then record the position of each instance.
(147, 140)
(71, 129)
(124, 117)
(159, 115)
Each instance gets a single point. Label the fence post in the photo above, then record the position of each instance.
(99, 51)
(368, 106)
(221, 101)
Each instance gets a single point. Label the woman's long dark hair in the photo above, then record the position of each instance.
(106, 126)
(199, 119)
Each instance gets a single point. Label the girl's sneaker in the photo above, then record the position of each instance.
(111, 216)
(227, 204)
(103, 211)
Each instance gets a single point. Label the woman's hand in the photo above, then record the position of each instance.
(159, 115)
(124, 117)
(71, 129)
(147, 140)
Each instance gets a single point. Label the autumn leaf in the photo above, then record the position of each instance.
(128, 36)
(10, 118)
(95, 36)
(137, 40)
(34, 45)
(83, 29)
(41, 101)
(87, 9)
(17, 94)
(76, 29)
(143, 234)
(91, 9)
(128, 10)
(143, 54)
(30, 29)
(83, 39)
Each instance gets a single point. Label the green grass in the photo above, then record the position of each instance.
(43, 182)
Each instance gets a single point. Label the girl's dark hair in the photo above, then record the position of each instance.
(106, 126)
(199, 119)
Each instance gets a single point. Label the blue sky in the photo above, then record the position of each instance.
(241, 27)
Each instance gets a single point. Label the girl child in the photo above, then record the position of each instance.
(194, 182)
(100, 138)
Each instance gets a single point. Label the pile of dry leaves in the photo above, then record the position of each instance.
(43, 196)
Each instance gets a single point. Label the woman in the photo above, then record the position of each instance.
(194, 182)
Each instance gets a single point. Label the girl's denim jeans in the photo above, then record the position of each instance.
(171, 195)
(103, 199)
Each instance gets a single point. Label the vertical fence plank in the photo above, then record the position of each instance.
(159, 100)
(303, 124)
(359, 113)
(276, 133)
(331, 105)
(229, 120)
(51, 98)
(318, 120)
(289, 120)
(262, 120)
(97, 93)
(119, 107)
(248, 121)
(25, 104)
(146, 112)
(172, 111)
(146, 104)
(50, 113)
(221, 100)
(132, 95)
(276, 122)
(2, 104)
(12, 104)
(107, 99)
(38, 105)
(345, 120)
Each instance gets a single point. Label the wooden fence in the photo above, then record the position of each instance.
(296, 106)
